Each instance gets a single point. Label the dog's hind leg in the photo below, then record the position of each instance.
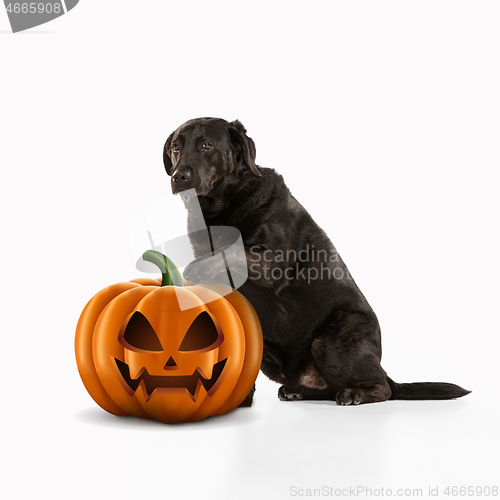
(348, 358)
(373, 392)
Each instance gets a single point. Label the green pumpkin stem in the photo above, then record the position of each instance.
(169, 273)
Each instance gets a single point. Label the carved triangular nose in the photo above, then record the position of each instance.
(170, 364)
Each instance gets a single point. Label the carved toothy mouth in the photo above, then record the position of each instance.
(170, 383)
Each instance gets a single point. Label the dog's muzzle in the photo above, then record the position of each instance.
(182, 179)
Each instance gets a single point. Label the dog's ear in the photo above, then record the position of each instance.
(243, 146)
(166, 154)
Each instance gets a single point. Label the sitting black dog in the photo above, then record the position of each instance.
(321, 337)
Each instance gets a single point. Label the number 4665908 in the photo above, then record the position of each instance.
(34, 8)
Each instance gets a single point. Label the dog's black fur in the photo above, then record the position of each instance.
(321, 337)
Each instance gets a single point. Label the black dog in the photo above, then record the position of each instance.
(321, 337)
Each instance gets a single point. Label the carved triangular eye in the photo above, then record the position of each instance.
(202, 334)
(140, 335)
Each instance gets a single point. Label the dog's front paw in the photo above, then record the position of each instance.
(248, 400)
(348, 397)
(285, 394)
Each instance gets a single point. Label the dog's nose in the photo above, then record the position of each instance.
(182, 177)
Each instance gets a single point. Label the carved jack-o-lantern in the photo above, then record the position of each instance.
(139, 353)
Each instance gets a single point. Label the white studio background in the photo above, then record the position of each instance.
(382, 118)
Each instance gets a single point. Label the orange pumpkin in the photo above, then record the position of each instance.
(140, 353)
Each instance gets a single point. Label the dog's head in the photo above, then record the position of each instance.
(208, 154)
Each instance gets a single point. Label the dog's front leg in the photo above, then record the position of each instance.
(255, 263)
(208, 266)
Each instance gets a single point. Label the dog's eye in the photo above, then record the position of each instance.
(175, 147)
(207, 145)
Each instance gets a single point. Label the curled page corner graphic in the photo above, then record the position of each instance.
(26, 15)
(223, 259)
(70, 4)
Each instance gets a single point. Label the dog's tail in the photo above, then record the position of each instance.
(426, 390)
